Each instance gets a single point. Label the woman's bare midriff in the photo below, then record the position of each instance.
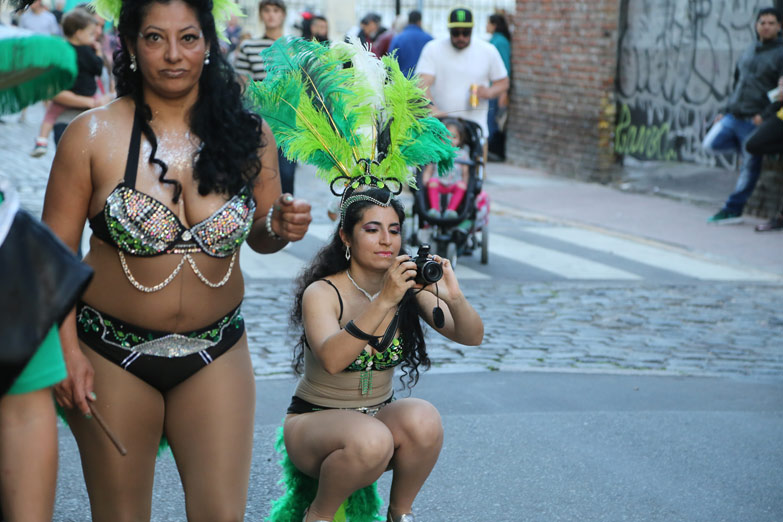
(186, 304)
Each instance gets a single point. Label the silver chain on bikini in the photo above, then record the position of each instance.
(186, 257)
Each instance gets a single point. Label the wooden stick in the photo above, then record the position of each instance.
(107, 431)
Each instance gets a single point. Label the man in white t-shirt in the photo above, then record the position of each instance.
(449, 66)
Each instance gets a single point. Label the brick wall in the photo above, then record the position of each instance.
(767, 198)
(563, 108)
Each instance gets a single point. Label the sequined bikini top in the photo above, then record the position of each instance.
(140, 225)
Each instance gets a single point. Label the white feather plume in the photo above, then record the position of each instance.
(371, 70)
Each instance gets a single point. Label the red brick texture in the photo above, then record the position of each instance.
(562, 103)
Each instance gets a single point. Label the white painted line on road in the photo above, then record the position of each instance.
(649, 255)
(85, 243)
(322, 231)
(562, 264)
(280, 265)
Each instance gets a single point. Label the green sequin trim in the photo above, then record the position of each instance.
(89, 319)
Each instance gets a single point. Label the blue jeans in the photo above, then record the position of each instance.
(729, 136)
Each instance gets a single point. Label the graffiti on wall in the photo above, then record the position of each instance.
(675, 70)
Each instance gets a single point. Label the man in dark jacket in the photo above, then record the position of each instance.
(758, 71)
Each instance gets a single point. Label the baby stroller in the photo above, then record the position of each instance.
(468, 231)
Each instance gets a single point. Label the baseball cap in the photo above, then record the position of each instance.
(460, 17)
(277, 3)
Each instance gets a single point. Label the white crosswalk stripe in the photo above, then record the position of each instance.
(564, 265)
(280, 265)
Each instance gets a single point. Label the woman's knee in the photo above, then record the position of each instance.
(421, 424)
(372, 448)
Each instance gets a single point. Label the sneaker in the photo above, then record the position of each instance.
(450, 214)
(40, 148)
(725, 217)
(776, 223)
(433, 213)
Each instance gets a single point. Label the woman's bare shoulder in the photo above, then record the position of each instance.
(102, 124)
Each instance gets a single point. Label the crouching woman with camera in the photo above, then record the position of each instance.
(359, 304)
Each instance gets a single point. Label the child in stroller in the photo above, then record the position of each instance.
(455, 231)
(455, 182)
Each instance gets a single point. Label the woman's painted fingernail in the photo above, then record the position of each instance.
(88, 416)
(288, 198)
(93, 396)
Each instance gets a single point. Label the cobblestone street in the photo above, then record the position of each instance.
(706, 329)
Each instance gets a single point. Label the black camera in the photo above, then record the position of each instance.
(427, 270)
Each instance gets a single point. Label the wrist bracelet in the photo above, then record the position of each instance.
(269, 230)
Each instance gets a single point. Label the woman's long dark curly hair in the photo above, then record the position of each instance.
(230, 134)
(331, 260)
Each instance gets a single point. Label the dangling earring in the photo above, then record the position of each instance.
(133, 65)
(347, 252)
(206, 57)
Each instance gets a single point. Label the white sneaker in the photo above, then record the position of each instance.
(41, 146)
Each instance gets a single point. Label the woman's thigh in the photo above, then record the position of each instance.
(209, 424)
(120, 487)
(311, 437)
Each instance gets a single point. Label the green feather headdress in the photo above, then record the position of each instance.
(360, 125)
(222, 11)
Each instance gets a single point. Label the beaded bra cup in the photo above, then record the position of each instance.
(140, 225)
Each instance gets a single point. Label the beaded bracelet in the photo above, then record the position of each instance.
(269, 230)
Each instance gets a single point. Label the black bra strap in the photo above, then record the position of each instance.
(132, 163)
(338, 297)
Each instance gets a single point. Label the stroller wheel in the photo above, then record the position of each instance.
(485, 244)
(451, 253)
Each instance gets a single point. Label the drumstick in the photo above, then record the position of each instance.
(107, 431)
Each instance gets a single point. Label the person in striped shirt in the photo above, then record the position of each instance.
(248, 59)
(250, 65)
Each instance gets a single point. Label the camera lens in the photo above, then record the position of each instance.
(431, 272)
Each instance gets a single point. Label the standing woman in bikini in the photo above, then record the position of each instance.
(173, 176)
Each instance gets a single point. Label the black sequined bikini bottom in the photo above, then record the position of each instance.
(161, 359)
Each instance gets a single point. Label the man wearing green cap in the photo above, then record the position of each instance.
(450, 68)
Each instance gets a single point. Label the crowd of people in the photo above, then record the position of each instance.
(405, 40)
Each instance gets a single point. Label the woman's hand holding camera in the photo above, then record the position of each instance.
(399, 278)
(448, 287)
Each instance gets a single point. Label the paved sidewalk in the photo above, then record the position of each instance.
(678, 223)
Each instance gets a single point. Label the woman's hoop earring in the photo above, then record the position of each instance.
(347, 252)
(133, 65)
(206, 57)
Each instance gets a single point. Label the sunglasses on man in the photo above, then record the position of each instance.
(457, 32)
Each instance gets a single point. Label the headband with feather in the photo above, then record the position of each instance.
(357, 119)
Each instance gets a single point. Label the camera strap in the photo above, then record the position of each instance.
(380, 342)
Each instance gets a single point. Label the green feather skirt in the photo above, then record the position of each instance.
(362, 506)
